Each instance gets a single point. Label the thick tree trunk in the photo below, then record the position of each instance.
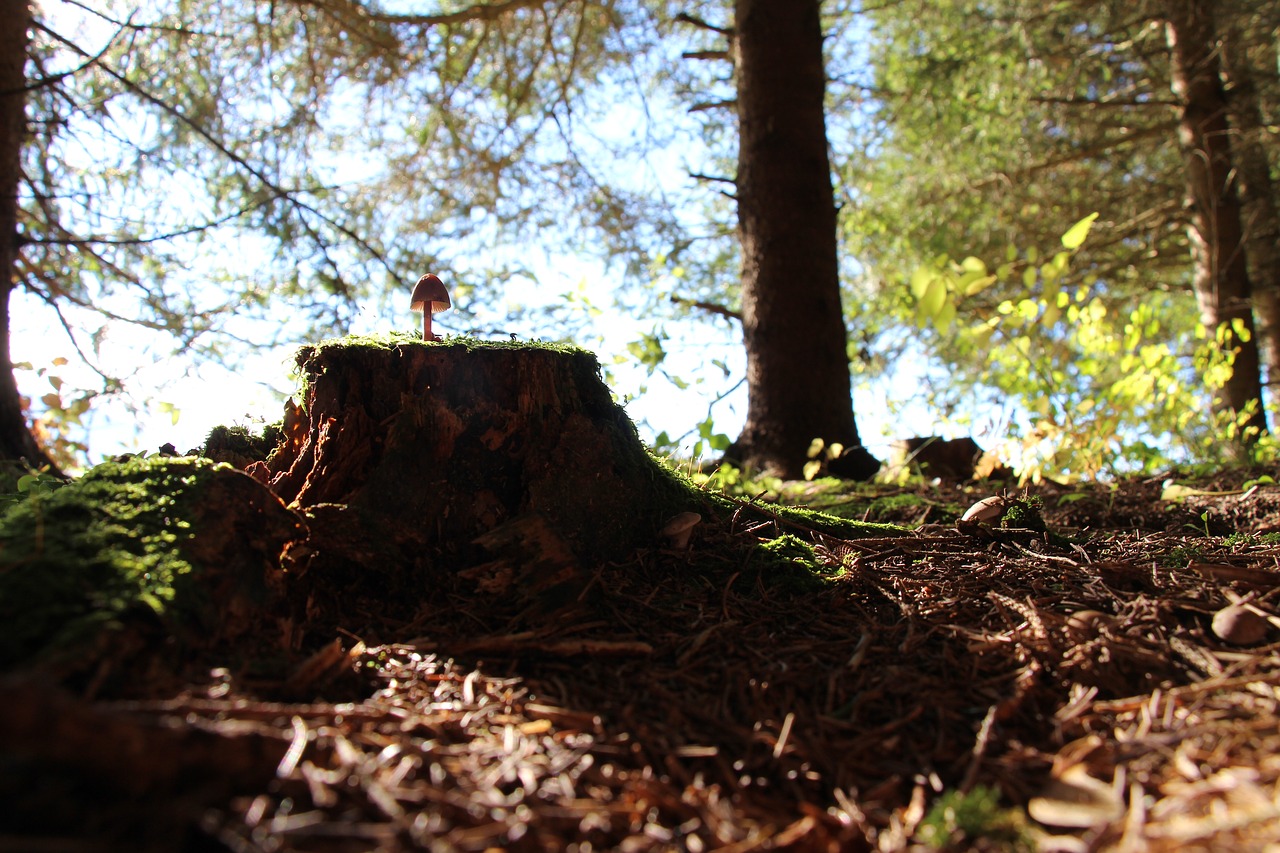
(1257, 199)
(798, 385)
(1220, 278)
(16, 442)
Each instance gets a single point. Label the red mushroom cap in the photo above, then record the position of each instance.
(429, 291)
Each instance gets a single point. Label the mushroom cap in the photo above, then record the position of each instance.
(987, 511)
(1239, 625)
(429, 291)
(682, 522)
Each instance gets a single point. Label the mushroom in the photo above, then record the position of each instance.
(986, 513)
(1240, 625)
(680, 528)
(1084, 624)
(429, 297)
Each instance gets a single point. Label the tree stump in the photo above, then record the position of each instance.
(434, 445)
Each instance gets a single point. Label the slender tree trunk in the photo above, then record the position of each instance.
(798, 384)
(16, 442)
(1221, 277)
(1257, 199)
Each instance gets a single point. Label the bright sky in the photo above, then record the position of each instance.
(206, 395)
(203, 395)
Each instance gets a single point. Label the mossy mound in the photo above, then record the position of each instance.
(181, 545)
(416, 476)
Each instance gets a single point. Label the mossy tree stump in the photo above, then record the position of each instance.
(438, 444)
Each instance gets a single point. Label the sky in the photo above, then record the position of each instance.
(177, 400)
(201, 395)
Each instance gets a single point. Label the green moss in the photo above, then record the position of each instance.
(74, 560)
(1024, 515)
(792, 549)
(974, 820)
(840, 528)
(238, 442)
(786, 564)
(390, 340)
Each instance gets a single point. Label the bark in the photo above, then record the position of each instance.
(798, 384)
(1257, 199)
(16, 441)
(442, 446)
(1220, 276)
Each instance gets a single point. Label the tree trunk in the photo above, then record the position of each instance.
(1257, 199)
(1220, 277)
(798, 384)
(16, 441)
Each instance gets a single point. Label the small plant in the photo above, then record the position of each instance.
(1024, 514)
(819, 454)
(958, 820)
(1181, 556)
(34, 485)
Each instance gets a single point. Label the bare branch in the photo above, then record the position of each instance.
(54, 79)
(686, 18)
(719, 179)
(155, 238)
(218, 145)
(705, 54)
(478, 12)
(713, 105)
(1111, 102)
(709, 307)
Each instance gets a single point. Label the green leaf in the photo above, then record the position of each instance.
(1076, 234)
(920, 280)
(979, 284)
(946, 316)
(935, 296)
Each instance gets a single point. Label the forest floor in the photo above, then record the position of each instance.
(941, 689)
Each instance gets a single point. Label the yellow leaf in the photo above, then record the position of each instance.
(1077, 233)
(978, 285)
(920, 280)
(935, 296)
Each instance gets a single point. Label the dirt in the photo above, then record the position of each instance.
(997, 689)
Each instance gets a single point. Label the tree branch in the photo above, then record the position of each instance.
(218, 145)
(705, 54)
(143, 241)
(713, 105)
(1115, 102)
(709, 307)
(478, 12)
(686, 18)
(713, 178)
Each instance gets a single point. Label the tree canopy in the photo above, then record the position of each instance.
(346, 147)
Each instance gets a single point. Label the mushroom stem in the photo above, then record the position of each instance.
(426, 323)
